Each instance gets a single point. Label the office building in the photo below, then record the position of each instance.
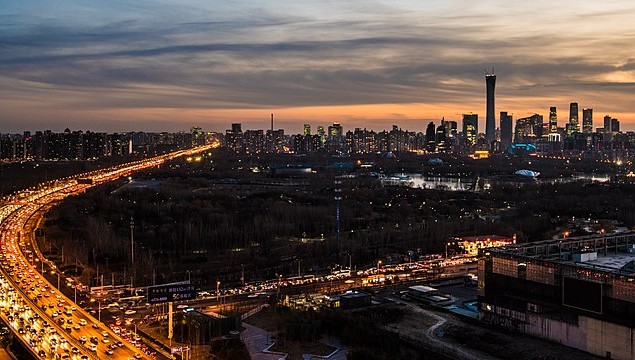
(322, 134)
(506, 126)
(587, 120)
(431, 137)
(442, 138)
(553, 120)
(579, 292)
(528, 129)
(490, 118)
(470, 128)
(574, 124)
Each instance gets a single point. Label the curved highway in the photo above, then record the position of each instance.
(50, 324)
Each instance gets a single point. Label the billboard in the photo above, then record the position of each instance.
(582, 294)
(171, 292)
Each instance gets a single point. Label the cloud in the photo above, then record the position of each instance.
(258, 57)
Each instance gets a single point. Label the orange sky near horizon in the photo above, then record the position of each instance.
(145, 66)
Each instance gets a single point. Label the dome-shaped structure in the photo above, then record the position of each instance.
(527, 173)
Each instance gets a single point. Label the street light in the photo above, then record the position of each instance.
(378, 265)
(218, 291)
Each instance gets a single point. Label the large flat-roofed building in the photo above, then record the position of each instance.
(577, 291)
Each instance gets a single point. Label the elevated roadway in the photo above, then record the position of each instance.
(49, 323)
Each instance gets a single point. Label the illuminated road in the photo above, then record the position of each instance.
(51, 325)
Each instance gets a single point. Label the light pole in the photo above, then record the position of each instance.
(378, 265)
(131, 241)
(218, 291)
(99, 312)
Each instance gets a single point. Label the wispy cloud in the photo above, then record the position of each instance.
(264, 55)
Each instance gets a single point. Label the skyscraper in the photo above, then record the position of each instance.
(611, 125)
(442, 135)
(470, 128)
(529, 129)
(553, 120)
(574, 123)
(430, 137)
(587, 120)
(307, 129)
(506, 129)
(321, 134)
(490, 119)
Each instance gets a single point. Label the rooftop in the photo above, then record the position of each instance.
(422, 288)
(611, 261)
(614, 251)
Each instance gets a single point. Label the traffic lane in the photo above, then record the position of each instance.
(61, 300)
(101, 350)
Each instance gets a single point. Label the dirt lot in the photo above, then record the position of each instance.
(444, 333)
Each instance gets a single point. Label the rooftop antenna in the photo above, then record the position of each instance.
(272, 123)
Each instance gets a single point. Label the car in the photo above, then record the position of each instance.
(82, 322)
(41, 353)
(104, 333)
(93, 348)
(75, 350)
(95, 326)
(138, 356)
(109, 352)
(82, 339)
(76, 327)
(105, 340)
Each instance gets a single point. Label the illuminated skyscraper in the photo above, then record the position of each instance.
(307, 129)
(335, 131)
(490, 119)
(574, 122)
(587, 120)
(430, 137)
(470, 128)
(321, 134)
(553, 120)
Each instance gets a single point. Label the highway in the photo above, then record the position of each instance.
(50, 324)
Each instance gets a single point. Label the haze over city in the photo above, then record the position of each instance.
(168, 65)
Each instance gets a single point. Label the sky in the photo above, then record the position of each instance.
(123, 65)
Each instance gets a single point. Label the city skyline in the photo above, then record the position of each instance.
(166, 66)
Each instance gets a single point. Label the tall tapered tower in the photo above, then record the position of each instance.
(490, 119)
